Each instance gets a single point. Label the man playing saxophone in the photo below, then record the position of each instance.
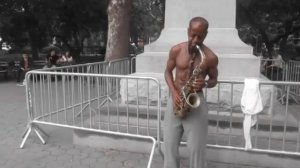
(184, 58)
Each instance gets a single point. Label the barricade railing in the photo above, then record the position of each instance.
(79, 101)
(78, 98)
(292, 73)
(133, 64)
(118, 66)
(278, 126)
(273, 69)
(278, 70)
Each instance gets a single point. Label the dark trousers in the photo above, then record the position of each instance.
(20, 75)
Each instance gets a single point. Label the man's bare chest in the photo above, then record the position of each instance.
(190, 62)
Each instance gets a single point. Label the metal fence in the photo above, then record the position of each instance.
(117, 67)
(273, 69)
(292, 73)
(278, 70)
(88, 97)
(92, 102)
(278, 126)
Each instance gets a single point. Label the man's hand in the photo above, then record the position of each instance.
(176, 97)
(198, 84)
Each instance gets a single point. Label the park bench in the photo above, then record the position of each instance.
(4, 68)
(38, 64)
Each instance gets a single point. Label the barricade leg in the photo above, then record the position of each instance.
(108, 95)
(25, 137)
(25, 132)
(38, 132)
(81, 111)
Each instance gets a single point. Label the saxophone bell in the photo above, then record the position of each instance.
(193, 100)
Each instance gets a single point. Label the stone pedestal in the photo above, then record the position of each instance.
(222, 38)
(230, 65)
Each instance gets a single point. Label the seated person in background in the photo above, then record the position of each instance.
(274, 70)
(277, 62)
(66, 59)
(52, 59)
(25, 66)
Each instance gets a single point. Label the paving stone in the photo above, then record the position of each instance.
(51, 159)
(104, 160)
(217, 165)
(87, 149)
(2, 161)
(10, 163)
(88, 161)
(55, 151)
(131, 163)
(110, 153)
(36, 165)
(66, 147)
(73, 151)
(158, 165)
(121, 157)
(136, 156)
(83, 155)
(114, 164)
(144, 163)
(65, 157)
(96, 154)
(67, 165)
(156, 158)
(53, 165)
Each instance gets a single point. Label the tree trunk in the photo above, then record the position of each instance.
(118, 29)
(34, 43)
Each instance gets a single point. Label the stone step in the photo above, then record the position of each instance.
(118, 113)
(125, 118)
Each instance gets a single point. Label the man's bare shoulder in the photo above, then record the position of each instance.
(211, 56)
(177, 48)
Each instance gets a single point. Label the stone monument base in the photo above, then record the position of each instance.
(241, 65)
(224, 99)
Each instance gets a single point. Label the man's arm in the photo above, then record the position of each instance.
(171, 64)
(212, 73)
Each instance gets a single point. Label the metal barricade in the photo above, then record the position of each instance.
(292, 73)
(79, 101)
(278, 126)
(278, 70)
(133, 64)
(87, 97)
(119, 67)
(273, 69)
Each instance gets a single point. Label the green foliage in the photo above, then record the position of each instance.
(277, 22)
(36, 22)
(147, 19)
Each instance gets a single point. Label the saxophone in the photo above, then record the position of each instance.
(188, 97)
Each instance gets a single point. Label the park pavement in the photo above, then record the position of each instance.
(59, 151)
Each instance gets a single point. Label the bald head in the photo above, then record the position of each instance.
(199, 20)
(197, 32)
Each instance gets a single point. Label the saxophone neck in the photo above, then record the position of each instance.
(203, 57)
